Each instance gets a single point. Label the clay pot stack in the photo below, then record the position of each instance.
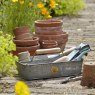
(51, 31)
(88, 78)
(25, 41)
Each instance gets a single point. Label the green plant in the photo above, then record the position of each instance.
(18, 13)
(60, 7)
(7, 60)
(69, 7)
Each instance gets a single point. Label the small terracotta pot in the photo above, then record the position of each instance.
(27, 42)
(88, 78)
(21, 30)
(48, 23)
(49, 44)
(31, 49)
(24, 36)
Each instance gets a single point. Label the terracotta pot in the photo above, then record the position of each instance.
(21, 30)
(27, 42)
(48, 25)
(24, 36)
(31, 49)
(49, 44)
(51, 30)
(88, 78)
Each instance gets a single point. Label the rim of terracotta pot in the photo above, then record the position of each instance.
(29, 48)
(27, 42)
(22, 27)
(21, 30)
(48, 23)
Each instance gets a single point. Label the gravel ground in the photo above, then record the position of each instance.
(80, 29)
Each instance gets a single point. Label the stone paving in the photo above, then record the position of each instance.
(80, 29)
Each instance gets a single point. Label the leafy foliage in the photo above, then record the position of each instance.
(60, 7)
(69, 7)
(7, 60)
(15, 14)
(18, 13)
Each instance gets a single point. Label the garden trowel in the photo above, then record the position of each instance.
(76, 55)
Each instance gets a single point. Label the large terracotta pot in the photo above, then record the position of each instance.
(27, 42)
(48, 25)
(31, 49)
(21, 30)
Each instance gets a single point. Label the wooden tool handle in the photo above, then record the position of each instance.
(48, 51)
(67, 51)
(62, 59)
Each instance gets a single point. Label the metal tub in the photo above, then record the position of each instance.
(42, 67)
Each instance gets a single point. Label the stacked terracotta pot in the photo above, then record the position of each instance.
(25, 41)
(50, 33)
